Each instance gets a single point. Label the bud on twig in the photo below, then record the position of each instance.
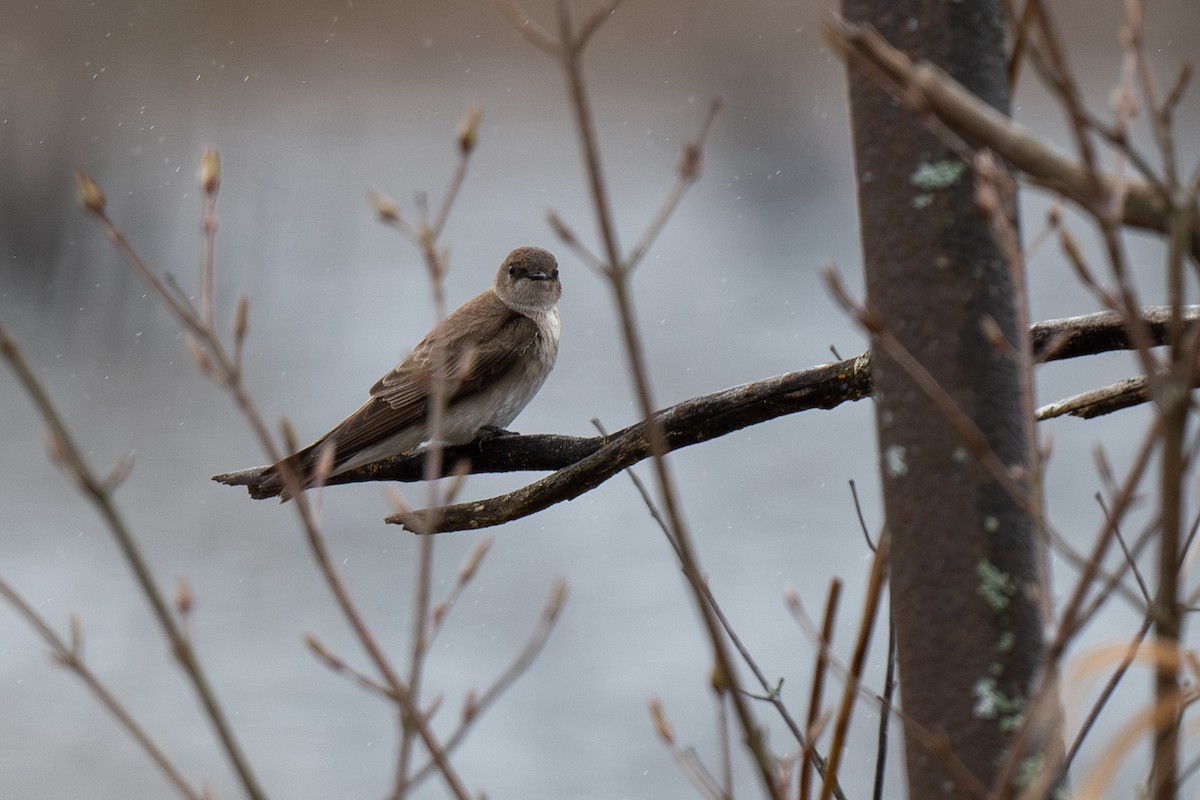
(470, 706)
(241, 319)
(474, 558)
(76, 635)
(438, 613)
(992, 334)
(560, 228)
(458, 479)
(385, 207)
(56, 449)
(791, 599)
(468, 130)
(659, 718)
(199, 355)
(689, 165)
(400, 506)
(210, 171)
(718, 680)
(184, 597)
(119, 472)
(320, 650)
(89, 193)
(558, 596)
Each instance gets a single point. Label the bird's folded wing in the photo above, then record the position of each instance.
(399, 399)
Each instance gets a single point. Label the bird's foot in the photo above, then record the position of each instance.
(489, 432)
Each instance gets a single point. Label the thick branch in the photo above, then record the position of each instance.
(713, 415)
(582, 462)
(1102, 332)
(692, 421)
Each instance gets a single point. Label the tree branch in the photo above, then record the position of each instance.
(928, 89)
(584, 462)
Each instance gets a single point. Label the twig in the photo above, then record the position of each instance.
(70, 657)
(1065, 82)
(688, 763)
(1093, 403)
(466, 572)
(770, 692)
(97, 491)
(210, 182)
(340, 666)
(476, 706)
(568, 51)
(1105, 695)
(885, 712)
(216, 363)
(928, 89)
(933, 742)
(687, 174)
(1075, 614)
(841, 725)
(1130, 557)
(970, 433)
(817, 687)
(889, 680)
(425, 235)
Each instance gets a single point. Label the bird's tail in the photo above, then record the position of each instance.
(266, 482)
(261, 482)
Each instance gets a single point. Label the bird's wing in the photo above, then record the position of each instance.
(472, 363)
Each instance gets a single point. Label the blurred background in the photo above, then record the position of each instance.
(311, 103)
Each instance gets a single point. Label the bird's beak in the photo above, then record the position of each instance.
(538, 276)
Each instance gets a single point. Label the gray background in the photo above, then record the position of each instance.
(309, 103)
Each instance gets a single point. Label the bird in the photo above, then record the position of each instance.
(495, 352)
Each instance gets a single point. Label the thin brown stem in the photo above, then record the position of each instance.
(70, 657)
(477, 705)
(875, 584)
(928, 90)
(99, 494)
(770, 692)
(572, 44)
(223, 370)
(210, 181)
(816, 692)
(1106, 694)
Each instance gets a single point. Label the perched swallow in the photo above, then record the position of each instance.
(495, 352)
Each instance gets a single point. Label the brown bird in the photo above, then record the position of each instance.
(495, 352)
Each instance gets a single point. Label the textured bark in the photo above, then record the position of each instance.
(964, 557)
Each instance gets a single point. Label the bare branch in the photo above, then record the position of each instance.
(928, 89)
(529, 29)
(476, 706)
(1118, 396)
(870, 610)
(226, 373)
(688, 172)
(687, 423)
(68, 655)
(97, 491)
(586, 462)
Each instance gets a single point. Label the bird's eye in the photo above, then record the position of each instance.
(554, 274)
(512, 270)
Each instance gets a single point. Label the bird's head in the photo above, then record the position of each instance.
(528, 280)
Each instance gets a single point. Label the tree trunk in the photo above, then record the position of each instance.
(964, 555)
